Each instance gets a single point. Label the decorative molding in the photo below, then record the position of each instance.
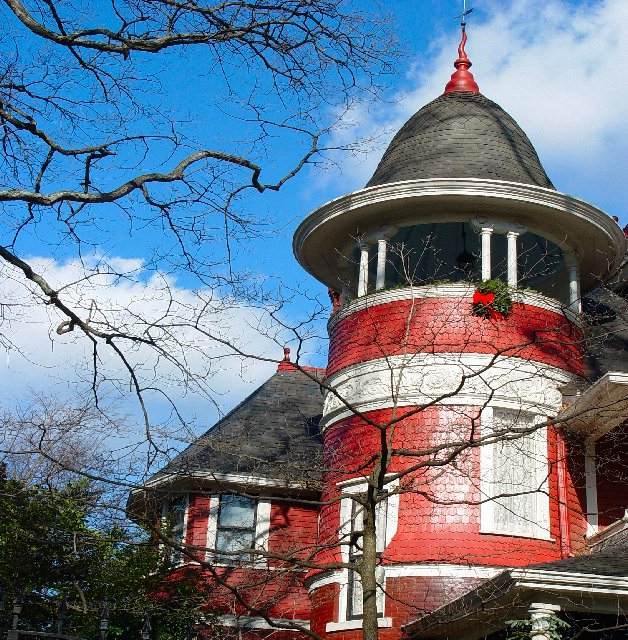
(467, 617)
(326, 578)
(609, 532)
(456, 290)
(445, 378)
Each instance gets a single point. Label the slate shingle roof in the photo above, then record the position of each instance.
(273, 433)
(461, 135)
(611, 563)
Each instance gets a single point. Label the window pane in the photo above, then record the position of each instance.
(356, 593)
(380, 524)
(177, 513)
(355, 587)
(234, 540)
(237, 511)
(357, 527)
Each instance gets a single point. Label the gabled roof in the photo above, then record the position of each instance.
(461, 135)
(273, 434)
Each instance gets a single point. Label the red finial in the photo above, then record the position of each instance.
(462, 79)
(285, 364)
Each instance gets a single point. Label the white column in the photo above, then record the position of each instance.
(574, 284)
(363, 276)
(486, 234)
(540, 617)
(380, 281)
(511, 237)
(590, 474)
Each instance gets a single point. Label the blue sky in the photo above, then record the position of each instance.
(556, 66)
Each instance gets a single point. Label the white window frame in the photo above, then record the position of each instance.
(537, 524)
(165, 511)
(262, 532)
(349, 487)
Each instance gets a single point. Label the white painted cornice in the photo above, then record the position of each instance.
(609, 532)
(569, 222)
(216, 479)
(491, 604)
(565, 581)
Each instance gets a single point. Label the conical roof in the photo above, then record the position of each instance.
(461, 135)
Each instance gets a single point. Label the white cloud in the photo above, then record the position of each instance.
(557, 68)
(37, 360)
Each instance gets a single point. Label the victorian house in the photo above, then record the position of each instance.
(477, 382)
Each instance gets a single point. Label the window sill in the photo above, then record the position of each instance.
(529, 536)
(348, 625)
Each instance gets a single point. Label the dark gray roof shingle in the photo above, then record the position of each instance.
(461, 135)
(611, 563)
(273, 433)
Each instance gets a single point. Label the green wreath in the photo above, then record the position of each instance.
(492, 299)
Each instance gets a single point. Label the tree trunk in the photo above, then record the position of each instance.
(368, 568)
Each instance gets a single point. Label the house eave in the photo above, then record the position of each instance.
(165, 483)
(600, 408)
(488, 607)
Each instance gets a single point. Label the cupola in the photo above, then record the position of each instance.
(460, 195)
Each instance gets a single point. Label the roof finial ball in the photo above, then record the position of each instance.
(462, 80)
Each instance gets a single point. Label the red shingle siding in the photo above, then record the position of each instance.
(324, 606)
(409, 598)
(439, 514)
(198, 515)
(437, 325)
(293, 529)
(277, 592)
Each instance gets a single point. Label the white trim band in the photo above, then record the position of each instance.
(415, 571)
(461, 290)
